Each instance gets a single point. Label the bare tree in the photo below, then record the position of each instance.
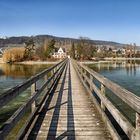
(29, 48)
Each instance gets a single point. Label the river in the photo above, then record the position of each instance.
(124, 73)
(12, 75)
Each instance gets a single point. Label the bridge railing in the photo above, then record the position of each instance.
(51, 75)
(104, 105)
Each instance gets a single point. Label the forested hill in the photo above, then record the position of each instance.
(40, 38)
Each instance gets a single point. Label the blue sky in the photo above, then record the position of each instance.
(115, 20)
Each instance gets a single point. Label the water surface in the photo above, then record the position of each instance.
(124, 73)
(12, 75)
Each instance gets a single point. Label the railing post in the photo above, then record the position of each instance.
(33, 89)
(83, 73)
(103, 92)
(45, 79)
(80, 69)
(136, 133)
(91, 82)
(55, 69)
(53, 74)
(52, 80)
(137, 121)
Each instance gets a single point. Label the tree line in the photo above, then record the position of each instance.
(83, 49)
(30, 51)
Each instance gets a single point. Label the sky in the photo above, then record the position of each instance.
(112, 20)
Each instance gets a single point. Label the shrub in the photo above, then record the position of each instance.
(13, 55)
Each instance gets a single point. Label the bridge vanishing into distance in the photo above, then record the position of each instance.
(70, 105)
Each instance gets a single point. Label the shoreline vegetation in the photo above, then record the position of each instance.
(82, 61)
(30, 53)
(31, 62)
(83, 51)
(96, 60)
(37, 62)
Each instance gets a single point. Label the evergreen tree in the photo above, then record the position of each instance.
(29, 48)
(49, 48)
(73, 51)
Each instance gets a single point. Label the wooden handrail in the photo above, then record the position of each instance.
(87, 75)
(13, 120)
(128, 97)
(15, 91)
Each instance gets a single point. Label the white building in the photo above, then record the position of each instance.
(60, 53)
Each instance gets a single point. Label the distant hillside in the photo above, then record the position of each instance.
(39, 39)
(111, 43)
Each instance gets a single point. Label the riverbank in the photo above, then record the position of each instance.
(83, 62)
(107, 60)
(37, 62)
(32, 62)
(120, 58)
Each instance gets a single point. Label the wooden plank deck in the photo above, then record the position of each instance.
(69, 113)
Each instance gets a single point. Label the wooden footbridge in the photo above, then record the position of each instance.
(71, 107)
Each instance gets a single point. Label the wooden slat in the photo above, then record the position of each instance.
(111, 128)
(118, 116)
(69, 113)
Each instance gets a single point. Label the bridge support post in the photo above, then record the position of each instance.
(80, 69)
(52, 78)
(91, 82)
(53, 74)
(45, 79)
(136, 133)
(55, 69)
(33, 89)
(103, 92)
(84, 72)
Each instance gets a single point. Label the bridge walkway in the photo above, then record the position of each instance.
(68, 113)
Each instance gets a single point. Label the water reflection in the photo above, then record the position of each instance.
(129, 66)
(16, 71)
(125, 73)
(12, 75)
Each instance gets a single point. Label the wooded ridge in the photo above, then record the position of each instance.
(38, 39)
